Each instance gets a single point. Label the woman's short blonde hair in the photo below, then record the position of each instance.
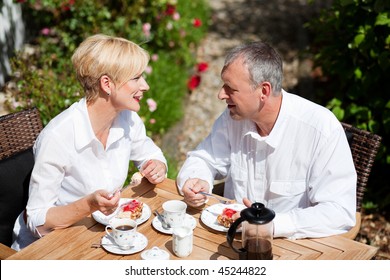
(99, 55)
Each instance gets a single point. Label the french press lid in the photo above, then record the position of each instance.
(257, 214)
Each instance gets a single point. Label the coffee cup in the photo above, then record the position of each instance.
(123, 232)
(174, 212)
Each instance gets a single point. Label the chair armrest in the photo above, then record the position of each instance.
(353, 232)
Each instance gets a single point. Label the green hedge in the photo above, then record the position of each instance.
(352, 48)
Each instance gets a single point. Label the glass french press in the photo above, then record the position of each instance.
(257, 233)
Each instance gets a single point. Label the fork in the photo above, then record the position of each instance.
(221, 200)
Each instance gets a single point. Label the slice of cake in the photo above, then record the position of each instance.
(136, 179)
(131, 209)
(226, 217)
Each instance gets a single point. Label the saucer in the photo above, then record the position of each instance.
(140, 243)
(189, 221)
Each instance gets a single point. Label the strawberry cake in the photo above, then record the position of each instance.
(131, 209)
(226, 217)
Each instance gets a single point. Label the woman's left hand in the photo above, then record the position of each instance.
(154, 170)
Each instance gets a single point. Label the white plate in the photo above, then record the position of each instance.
(209, 215)
(103, 219)
(189, 221)
(140, 243)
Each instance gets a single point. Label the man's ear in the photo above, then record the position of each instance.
(266, 89)
(105, 84)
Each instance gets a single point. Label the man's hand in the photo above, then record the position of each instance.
(191, 189)
(247, 203)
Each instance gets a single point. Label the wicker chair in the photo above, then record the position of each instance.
(364, 147)
(18, 132)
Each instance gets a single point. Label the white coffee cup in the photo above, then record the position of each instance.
(123, 232)
(174, 212)
(182, 241)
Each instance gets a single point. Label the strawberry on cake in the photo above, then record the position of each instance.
(131, 209)
(226, 217)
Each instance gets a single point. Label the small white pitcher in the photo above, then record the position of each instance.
(182, 241)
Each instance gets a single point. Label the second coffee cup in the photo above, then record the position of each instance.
(174, 212)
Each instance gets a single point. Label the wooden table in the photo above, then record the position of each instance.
(75, 242)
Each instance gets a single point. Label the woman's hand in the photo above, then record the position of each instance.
(104, 201)
(154, 170)
(66, 215)
(191, 189)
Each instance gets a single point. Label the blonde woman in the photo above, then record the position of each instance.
(82, 155)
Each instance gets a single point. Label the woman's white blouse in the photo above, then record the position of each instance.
(303, 170)
(70, 162)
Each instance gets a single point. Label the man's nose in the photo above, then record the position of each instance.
(222, 94)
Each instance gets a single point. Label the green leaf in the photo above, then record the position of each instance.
(382, 19)
(387, 41)
(358, 73)
(338, 112)
(369, 205)
(359, 38)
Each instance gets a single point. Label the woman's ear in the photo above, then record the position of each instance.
(105, 84)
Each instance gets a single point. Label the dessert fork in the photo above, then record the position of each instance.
(221, 200)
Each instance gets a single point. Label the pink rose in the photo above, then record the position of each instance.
(151, 104)
(146, 29)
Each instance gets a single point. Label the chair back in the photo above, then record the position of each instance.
(18, 132)
(364, 147)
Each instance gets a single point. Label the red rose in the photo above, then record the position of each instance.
(170, 10)
(193, 82)
(202, 66)
(197, 22)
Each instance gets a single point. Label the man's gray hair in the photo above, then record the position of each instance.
(262, 61)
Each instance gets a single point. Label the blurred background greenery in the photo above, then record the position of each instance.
(350, 42)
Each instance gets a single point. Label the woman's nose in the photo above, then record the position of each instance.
(144, 85)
